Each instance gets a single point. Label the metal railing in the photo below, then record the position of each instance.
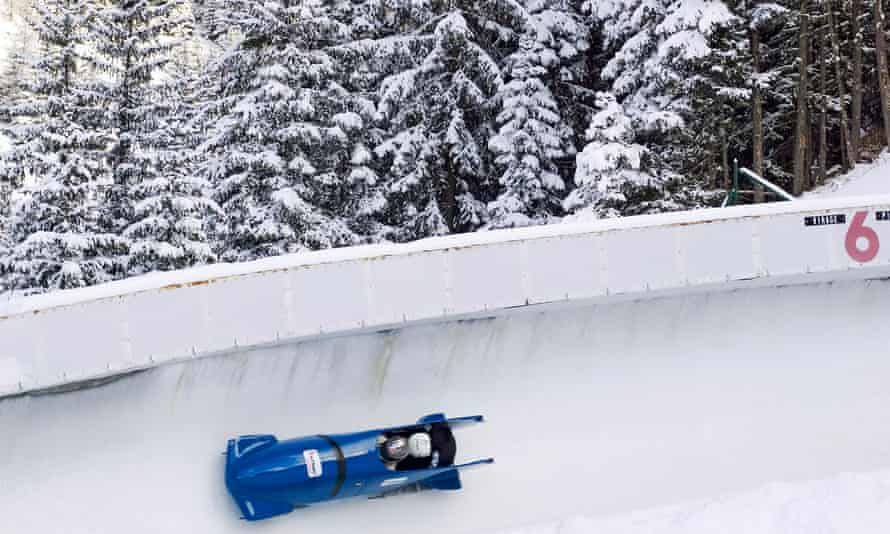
(770, 189)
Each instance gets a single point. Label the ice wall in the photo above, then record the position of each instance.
(67, 337)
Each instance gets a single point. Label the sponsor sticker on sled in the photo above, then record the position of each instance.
(313, 463)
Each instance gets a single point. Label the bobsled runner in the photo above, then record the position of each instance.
(268, 477)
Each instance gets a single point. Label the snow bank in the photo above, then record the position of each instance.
(871, 179)
(854, 503)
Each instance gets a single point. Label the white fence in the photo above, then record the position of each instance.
(72, 336)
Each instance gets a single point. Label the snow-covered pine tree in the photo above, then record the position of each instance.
(173, 210)
(440, 111)
(720, 91)
(564, 34)
(764, 21)
(656, 44)
(58, 156)
(6, 188)
(610, 166)
(279, 132)
(382, 40)
(349, 188)
(156, 202)
(353, 188)
(13, 63)
(378, 42)
(240, 156)
(779, 28)
(543, 109)
(212, 20)
(527, 143)
(5, 199)
(135, 42)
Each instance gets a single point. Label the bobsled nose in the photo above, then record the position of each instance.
(239, 455)
(247, 445)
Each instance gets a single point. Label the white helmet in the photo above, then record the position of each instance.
(419, 445)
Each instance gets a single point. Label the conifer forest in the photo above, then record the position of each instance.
(152, 135)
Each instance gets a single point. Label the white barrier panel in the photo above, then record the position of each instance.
(70, 336)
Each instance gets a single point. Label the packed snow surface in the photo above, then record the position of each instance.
(851, 503)
(870, 179)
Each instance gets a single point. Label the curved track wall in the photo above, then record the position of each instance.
(58, 339)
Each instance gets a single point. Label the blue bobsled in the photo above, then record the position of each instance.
(268, 477)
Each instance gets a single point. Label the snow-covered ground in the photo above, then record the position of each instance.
(849, 503)
(870, 179)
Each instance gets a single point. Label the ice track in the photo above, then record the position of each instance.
(595, 410)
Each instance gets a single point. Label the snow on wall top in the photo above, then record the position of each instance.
(222, 271)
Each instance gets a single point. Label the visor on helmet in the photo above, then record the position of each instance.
(396, 448)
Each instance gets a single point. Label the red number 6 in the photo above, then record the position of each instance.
(859, 230)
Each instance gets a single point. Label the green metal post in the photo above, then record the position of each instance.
(735, 174)
(733, 194)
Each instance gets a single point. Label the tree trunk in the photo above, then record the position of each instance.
(715, 157)
(883, 81)
(801, 169)
(757, 107)
(849, 155)
(856, 111)
(724, 151)
(823, 113)
(449, 205)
